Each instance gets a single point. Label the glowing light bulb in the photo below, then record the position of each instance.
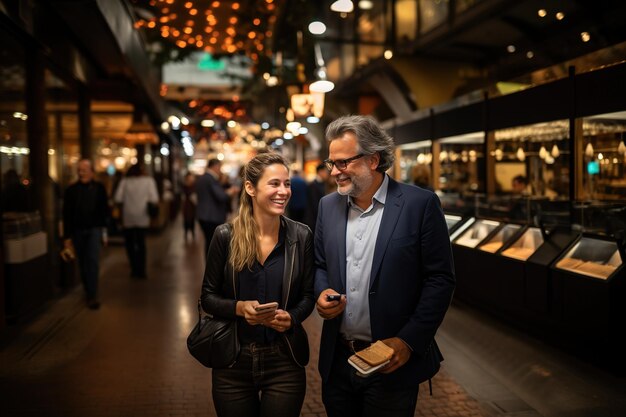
(555, 151)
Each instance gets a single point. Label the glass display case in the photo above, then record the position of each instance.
(525, 245)
(501, 237)
(452, 220)
(592, 257)
(477, 232)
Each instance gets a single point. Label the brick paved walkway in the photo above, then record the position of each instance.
(130, 359)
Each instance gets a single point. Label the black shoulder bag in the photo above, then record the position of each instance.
(213, 341)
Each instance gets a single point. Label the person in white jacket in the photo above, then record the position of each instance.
(134, 192)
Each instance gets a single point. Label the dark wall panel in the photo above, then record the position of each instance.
(540, 104)
(601, 91)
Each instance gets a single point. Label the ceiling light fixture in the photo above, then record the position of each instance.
(342, 6)
(366, 5)
(317, 28)
(321, 86)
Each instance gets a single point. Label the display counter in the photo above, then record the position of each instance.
(590, 293)
(477, 232)
(27, 281)
(500, 238)
(453, 221)
(475, 284)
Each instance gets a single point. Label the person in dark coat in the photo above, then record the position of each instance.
(213, 200)
(383, 246)
(85, 212)
(318, 188)
(299, 196)
(190, 200)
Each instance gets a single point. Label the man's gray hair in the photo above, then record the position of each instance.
(370, 136)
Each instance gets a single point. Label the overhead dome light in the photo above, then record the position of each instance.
(342, 6)
(366, 5)
(321, 86)
(317, 28)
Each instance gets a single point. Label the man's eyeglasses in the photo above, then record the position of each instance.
(341, 164)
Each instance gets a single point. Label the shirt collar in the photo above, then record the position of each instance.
(380, 195)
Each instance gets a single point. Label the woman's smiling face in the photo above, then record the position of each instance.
(272, 192)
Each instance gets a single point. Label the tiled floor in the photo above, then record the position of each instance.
(129, 358)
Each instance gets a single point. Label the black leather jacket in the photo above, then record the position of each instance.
(218, 286)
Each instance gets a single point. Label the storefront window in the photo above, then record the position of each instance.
(63, 130)
(533, 160)
(432, 14)
(406, 20)
(14, 151)
(416, 163)
(604, 157)
(461, 158)
(371, 29)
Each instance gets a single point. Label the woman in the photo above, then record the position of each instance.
(262, 257)
(134, 192)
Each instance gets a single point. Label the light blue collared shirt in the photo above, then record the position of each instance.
(361, 234)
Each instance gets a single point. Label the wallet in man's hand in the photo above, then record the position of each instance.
(376, 354)
(371, 359)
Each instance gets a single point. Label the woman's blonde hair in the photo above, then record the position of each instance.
(243, 246)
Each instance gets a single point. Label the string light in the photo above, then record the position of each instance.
(194, 25)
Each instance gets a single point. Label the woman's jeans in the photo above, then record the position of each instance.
(264, 382)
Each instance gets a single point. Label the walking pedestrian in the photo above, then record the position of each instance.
(85, 212)
(384, 246)
(190, 199)
(213, 200)
(262, 259)
(134, 193)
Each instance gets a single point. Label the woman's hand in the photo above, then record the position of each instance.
(281, 322)
(246, 310)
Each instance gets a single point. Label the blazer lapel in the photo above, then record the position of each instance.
(391, 214)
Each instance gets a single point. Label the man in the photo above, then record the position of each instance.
(85, 210)
(213, 200)
(299, 195)
(384, 245)
(317, 189)
(519, 185)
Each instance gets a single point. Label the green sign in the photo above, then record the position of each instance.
(207, 63)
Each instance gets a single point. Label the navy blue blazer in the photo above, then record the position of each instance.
(412, 278)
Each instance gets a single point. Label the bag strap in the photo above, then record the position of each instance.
(199, 309)
(230, 235)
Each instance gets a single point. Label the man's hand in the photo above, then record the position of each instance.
(330, 309)
(401, 354)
